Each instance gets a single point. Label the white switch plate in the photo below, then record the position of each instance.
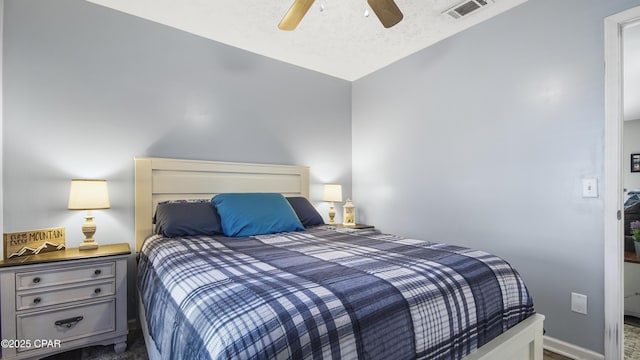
(590, 187)
(579, 303)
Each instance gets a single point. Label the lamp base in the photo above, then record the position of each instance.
(88, 245)
(332, 214)
(88, 229)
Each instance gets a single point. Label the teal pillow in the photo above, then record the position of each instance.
(249, 214)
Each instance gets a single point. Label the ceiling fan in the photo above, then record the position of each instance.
(386, 10)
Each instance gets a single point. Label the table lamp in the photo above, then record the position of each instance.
(88, 195)
(332, 193)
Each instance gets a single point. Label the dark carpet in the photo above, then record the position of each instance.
(136, 350)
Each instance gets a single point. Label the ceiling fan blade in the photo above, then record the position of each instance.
(387, 11)
(295, 14)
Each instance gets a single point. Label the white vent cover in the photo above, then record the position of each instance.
(467, 7)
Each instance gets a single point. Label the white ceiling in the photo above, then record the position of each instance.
(631, 66)
(338, 41)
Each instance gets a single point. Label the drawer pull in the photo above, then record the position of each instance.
(36, 280)
(37, 300)
(97, 291)
(68, 323)
(97, 272)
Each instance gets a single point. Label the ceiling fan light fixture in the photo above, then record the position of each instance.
(386, 10)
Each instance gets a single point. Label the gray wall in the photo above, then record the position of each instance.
(482, 140)
(87, 88)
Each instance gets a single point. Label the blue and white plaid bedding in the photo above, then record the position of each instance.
(324, 294)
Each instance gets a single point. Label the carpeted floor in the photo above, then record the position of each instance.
(631, 338)
(135, 351)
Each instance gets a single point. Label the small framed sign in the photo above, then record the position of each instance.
(33, 242)
(635, 162)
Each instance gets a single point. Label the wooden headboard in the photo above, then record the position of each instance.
(159, 179)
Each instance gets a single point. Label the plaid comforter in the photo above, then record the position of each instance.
(325, 294)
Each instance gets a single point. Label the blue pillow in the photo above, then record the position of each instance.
(186, 219)
(307, 214)
(249, 214)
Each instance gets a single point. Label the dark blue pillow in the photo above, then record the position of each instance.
(187, 218)
(307, 214)
(249, 214)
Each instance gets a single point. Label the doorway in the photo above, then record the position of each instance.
(631, 183)
(613, 232)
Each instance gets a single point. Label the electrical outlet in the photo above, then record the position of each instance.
(579, 303)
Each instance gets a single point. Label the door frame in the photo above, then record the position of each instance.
(613, 186)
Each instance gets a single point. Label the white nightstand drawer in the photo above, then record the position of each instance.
(37, 299)
(69, 324)
(60, 286)
(64, 275)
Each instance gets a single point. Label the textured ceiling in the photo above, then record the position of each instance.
(339, 41)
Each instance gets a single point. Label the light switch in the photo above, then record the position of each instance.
(590, 187)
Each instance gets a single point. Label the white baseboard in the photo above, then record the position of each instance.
(569, 350)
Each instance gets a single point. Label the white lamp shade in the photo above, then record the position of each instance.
(88, 195)
(332, 193)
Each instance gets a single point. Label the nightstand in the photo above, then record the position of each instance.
(356, 226)
(62, 300)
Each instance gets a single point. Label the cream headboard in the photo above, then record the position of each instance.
(158, 179)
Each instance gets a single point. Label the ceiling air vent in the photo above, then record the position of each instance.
(467, 7)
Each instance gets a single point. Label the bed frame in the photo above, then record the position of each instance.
(159, 179)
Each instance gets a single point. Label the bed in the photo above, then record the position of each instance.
(308, 293)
